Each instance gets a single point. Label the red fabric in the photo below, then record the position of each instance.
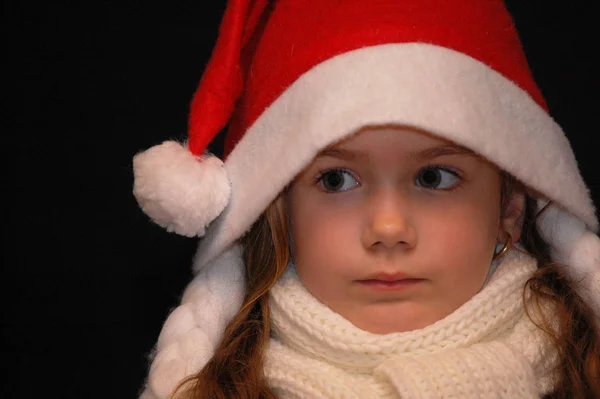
(222, 82)
(302, 33)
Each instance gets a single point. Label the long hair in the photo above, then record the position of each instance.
(236, 369)
(572, 329)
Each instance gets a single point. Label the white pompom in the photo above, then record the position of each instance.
(178, 190)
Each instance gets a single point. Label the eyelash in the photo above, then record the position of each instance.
(322, 173)
(450, 170)
(445, 168)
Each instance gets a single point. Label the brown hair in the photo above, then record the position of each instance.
(572, 329)
(236, 369)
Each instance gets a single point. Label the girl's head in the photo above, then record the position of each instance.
(385, 132)
(392, 203)
(293, 78)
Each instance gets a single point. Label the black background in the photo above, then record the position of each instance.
(87, 280)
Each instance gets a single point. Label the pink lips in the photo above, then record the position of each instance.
(389, 282)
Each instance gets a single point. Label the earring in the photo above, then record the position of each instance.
(505, 248)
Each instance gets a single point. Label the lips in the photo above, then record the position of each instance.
(389, 281)
(390, 277)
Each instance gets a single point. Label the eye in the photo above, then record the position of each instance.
(336, 180)
(437, 178)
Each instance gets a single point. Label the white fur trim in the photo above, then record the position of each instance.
(420, 85)
(193, 330)
(179, 191)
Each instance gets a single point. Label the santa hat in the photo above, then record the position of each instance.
(289, 78)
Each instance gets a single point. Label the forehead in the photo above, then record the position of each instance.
(394, 142)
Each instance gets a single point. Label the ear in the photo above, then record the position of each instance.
(513, 215)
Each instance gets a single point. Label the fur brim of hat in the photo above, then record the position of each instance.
(424, 86)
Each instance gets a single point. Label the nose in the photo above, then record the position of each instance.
(390, 223)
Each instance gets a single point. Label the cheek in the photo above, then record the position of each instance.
(323, 235)
(462, 234)
(324, 246)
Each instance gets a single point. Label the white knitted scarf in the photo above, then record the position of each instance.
(488, 348)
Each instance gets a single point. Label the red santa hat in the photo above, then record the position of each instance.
(288, 78)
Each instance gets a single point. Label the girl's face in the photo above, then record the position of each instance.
(395, 229)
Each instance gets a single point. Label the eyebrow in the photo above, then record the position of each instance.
(430, 153)
(446, 149)
(344, 154)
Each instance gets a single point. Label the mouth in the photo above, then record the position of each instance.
(390, 285)
(389, 282)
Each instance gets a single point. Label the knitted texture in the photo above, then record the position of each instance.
(194, 329)
(486, 348)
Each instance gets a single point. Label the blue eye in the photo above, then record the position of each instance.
(437, 178)
(336, 180)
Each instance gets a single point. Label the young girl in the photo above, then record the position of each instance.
(397, 215)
